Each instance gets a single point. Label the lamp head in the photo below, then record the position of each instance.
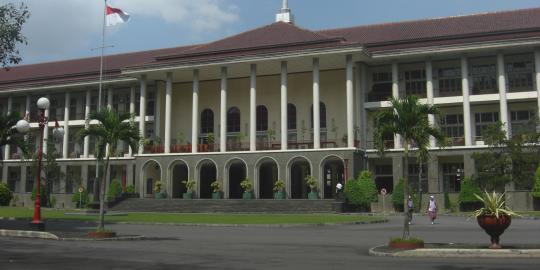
(58, 132)
(43, 103)
(22, 126)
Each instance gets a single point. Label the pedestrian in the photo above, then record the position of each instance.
(432, 209)
(410, 206)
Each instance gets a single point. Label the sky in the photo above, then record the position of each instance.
(67, 29)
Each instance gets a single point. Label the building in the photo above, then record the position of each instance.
(283, 102)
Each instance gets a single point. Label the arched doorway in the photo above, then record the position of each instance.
(332, 173)
(151, 174)
(299, 169)
(268, 175)
(236, 174)
(207, 175)
(179, 173)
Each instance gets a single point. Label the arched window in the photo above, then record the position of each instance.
(207, 121)
(322, 115)
(291, 116)
(233, 120)
(262, 118)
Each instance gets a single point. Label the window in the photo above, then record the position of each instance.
(452, 126)
(29, 179)
(73, 109)
(291, 116)
(150, 103)
(322, 115)
(415, 83)
(414, 171)
(522, 121)
(451, 181)
(207, 121)
(233, 120)
(93, 103)
(484, 79)
(384, 177)
(381, 88)
(483, 120)
(450, 82)
(262, 118)
(520, 76)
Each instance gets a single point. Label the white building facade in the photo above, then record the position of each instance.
(282, 102)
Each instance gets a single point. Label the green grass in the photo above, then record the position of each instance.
(530, 213)
(18, 212)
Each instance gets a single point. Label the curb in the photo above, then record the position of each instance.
(28, 234)
(458, 253)
(119, 238)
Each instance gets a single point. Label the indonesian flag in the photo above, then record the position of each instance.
(115, 16)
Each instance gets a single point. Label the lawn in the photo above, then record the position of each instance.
(18, 212)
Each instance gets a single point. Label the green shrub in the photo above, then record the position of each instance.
(361, 191)
(467, 200)
(115, 189)
(130, 189)
(397, 196)
(536, 187)
(5, 195)
(80, 198)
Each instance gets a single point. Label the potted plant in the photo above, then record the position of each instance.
(312, 183)
(279, 190)
(210, 141)
(158, 186)
(190, 186)
(494, 217)
(216, 190)
(536, 190)
(247, 186)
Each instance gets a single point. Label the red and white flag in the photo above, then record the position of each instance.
(115, 16)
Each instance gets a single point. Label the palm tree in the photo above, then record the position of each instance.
(408, 118)
(111, 128)
(9, 135)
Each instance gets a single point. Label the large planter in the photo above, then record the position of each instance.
(494, 227)
(160, 195)
(280, 195)
(313, 195)
(188, 195)
(247, 195)
(217, 195)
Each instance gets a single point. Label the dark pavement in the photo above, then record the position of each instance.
(319, 247)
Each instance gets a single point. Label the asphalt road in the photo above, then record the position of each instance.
(319, 247)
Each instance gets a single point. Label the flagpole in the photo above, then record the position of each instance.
(100, 86)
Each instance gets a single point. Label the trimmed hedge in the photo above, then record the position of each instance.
(115, 189)
(467, 200)
(80, 198)
(5, 195)
(362, 191)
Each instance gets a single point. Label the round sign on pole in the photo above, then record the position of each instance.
(81, 190)
(383, 191)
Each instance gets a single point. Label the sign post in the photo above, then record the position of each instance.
(383, 193)
(81, 189)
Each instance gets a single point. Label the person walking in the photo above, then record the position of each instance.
(410, 206)
(432, 209)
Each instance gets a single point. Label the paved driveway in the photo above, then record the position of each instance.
(322, 247)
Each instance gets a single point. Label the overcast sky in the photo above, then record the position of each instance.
(65, 29)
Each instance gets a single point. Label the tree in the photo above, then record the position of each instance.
(9, 135)
(507, 159)
(112, 127)
(12, 18)
(408, 118)
(361, 191)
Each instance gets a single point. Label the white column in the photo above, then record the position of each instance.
(27, 108)
(466, 102)
(86, 125)
(316, 106)
(502, 94)
(65, 146)
(537, 67)
(109, 98)
(131, 109)
(350, 100)
(223, 112)
(430, 100)
(168, 101)
(253, 109)
(195, 113)
(284, 124)
(361, 88)
(142, 111)
(395, 94)
(7, 147)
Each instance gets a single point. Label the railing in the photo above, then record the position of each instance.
(389, 144)
(456, 141)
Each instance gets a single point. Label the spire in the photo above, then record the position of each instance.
(285, 14)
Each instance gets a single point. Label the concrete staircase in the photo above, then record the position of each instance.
(227, 206)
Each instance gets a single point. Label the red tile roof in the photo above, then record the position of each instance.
(280, 37)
